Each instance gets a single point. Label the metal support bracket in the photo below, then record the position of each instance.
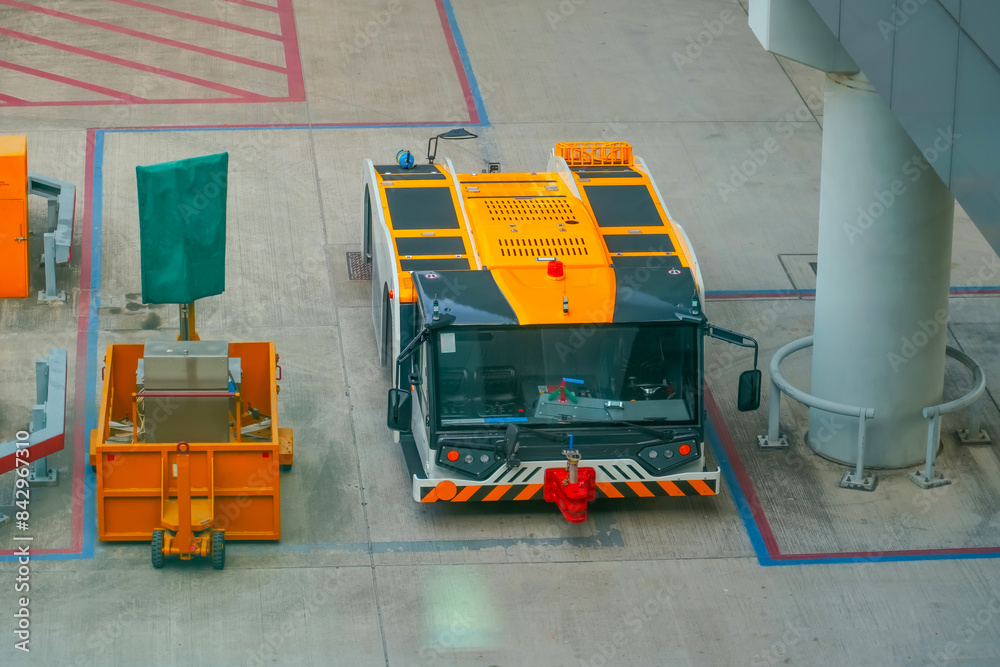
(58, 241)
(921, 479)
(763, 442)
(927, 478)
(851, 480)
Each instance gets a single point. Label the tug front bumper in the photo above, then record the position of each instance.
(609, 479)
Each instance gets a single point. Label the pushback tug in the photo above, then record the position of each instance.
(546, 331)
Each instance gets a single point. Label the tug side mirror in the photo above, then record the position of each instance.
(748, 396)
(400, 410)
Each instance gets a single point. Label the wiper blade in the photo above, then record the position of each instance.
(531, 428)
(660, 435)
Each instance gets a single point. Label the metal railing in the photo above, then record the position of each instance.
(853, 479)
(57, 242)
(926, 478)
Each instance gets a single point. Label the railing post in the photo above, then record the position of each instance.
(926, 479)
(49, 257)
(773, 439)
(975, 434)
(856, 479)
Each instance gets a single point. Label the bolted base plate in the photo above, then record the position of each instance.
(764, 443)
(921, 480)
(42, 297)
(49, 479)
(982, 439)
(850, 480)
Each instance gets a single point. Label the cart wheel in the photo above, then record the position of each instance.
(157, 549)
(218, 549)
(285, 467)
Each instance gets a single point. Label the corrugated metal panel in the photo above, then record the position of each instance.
(935, 73)
(866, 32)
(829, 11)
(953, 6)
(923, 82)
(981, 21)
(975, 177)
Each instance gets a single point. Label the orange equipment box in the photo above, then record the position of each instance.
(234, 486)
(14, 217)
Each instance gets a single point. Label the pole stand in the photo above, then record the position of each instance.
(41, 474)
(763, 442)
(920, 479)
(982, 439)
(851, 480)
(50, 293)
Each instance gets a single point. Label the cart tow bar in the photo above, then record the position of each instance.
(571, 489)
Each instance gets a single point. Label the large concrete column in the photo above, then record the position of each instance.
(883, 273)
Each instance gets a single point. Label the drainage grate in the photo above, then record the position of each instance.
(356, 267)
(801, 271)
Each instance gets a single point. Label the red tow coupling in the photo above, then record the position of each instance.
(571, 489)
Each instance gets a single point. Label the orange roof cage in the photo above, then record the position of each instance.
(233, 486)
(591, 153)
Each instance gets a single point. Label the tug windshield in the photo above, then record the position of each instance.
(587, 375)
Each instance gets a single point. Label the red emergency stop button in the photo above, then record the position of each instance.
(684, 450)
(452, 455)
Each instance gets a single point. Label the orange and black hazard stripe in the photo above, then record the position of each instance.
(448, 491)
(681, 487)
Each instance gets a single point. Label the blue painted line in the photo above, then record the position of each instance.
(749, 291)
(757, 540)
(90, 394)
(742, 506)
(466, 63)
(503, 420)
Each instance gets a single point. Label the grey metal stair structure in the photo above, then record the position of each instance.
(935, 63)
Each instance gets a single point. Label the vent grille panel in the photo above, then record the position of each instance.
(543, 247)
(542, 209)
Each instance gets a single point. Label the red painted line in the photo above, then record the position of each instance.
(293, 62)
(15, 100)
(71, 82)
(194, 100)
(741, 473)
(200, 19)
(278, 126)
(130, 64)
(81, 444)
(470, 101)
(255, 5)
(145, 36)
(767, 534)
(81, 440)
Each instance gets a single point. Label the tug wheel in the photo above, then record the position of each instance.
(157, 549)
(218, 549)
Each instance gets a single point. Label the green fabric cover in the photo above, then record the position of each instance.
(182, 228)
